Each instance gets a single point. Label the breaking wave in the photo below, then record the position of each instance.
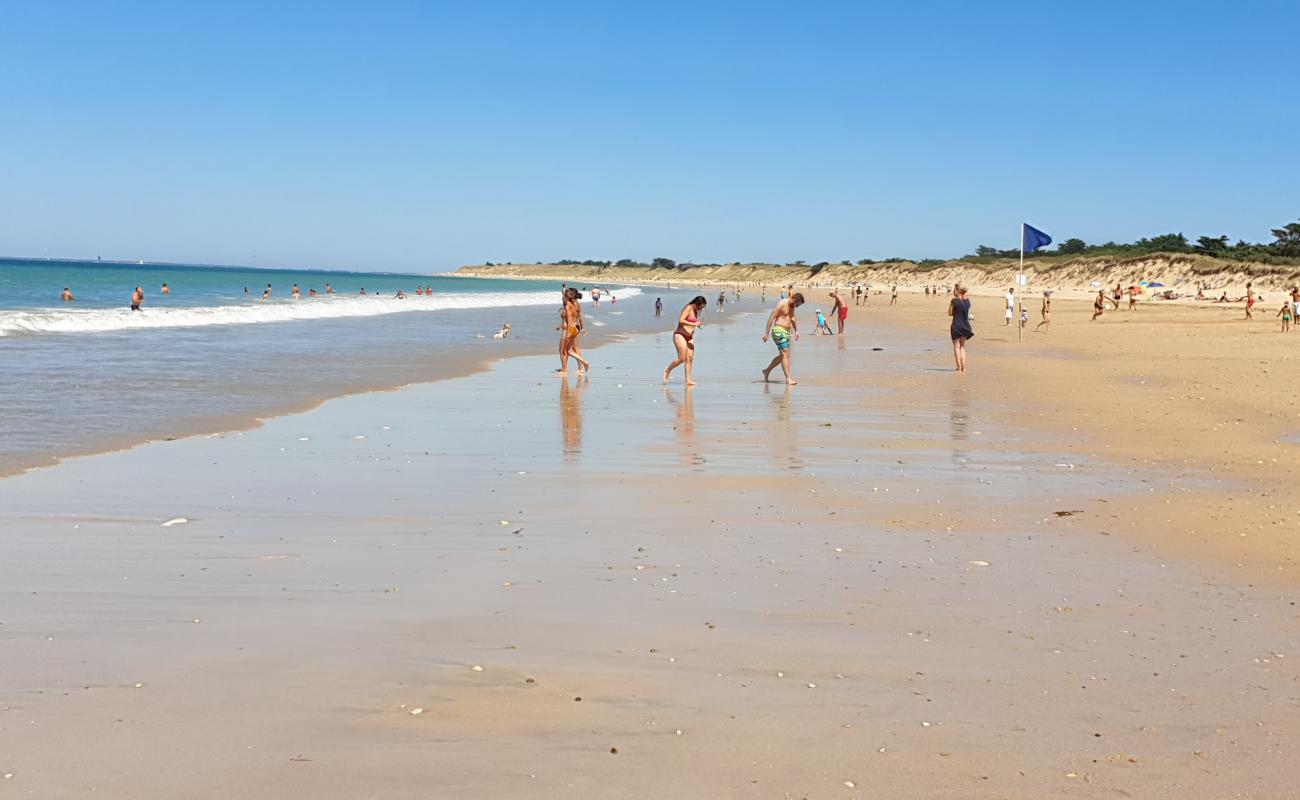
(104, 320)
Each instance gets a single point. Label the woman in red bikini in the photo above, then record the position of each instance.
(687, 323)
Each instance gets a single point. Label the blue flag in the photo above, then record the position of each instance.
(1032, 238)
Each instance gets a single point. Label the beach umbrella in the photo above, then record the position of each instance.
(1155, 284)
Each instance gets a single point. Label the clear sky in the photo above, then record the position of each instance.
(422, 135)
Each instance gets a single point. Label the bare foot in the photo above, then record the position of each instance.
(690, 383)
(665, 376)
(791, 382)
(766, 379)
(559, 373)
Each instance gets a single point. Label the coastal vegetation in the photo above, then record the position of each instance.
(1207, 255)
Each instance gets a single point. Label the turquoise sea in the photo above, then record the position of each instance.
(90, 374)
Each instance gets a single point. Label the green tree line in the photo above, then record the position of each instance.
(1285, 247)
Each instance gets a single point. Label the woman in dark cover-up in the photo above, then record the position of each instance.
(959, 310)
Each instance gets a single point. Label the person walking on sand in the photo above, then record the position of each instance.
(137, 299)
(1250, 301)
(688, 322)
(781, 326)
(1010, 297)
(659, 306)
(1045, 312)
(893, 296)
(1285, 314)
(840, 311)
(1099, 304)
(959, 310)
(571, 328)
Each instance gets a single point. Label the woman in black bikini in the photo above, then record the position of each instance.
(959, 310)
(687, 323)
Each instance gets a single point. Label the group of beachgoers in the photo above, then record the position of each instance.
(781, 328)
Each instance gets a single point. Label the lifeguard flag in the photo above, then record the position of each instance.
(1032, 238)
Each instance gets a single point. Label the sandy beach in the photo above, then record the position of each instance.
(1068, 573)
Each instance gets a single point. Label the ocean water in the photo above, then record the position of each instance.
(91, 375)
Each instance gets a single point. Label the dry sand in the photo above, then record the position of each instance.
(859, 587)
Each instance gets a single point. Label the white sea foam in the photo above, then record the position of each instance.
(103, 320)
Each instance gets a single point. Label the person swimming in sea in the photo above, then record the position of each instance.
(67, 295)
(295, 292)
(688, 322)
(503, 333)
(137, 299)
(165, 289)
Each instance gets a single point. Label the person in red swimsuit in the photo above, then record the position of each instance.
(840, 311)
(687, 323)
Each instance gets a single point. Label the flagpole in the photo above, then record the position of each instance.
(1020, 329)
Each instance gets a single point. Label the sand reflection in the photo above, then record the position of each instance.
(571, 416)
(784, 441)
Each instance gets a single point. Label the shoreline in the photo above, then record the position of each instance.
(220, 425)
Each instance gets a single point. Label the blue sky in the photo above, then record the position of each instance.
(422, 136)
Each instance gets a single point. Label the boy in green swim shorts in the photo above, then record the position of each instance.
(781, 326)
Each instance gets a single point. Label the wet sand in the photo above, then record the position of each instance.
(754, 591)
